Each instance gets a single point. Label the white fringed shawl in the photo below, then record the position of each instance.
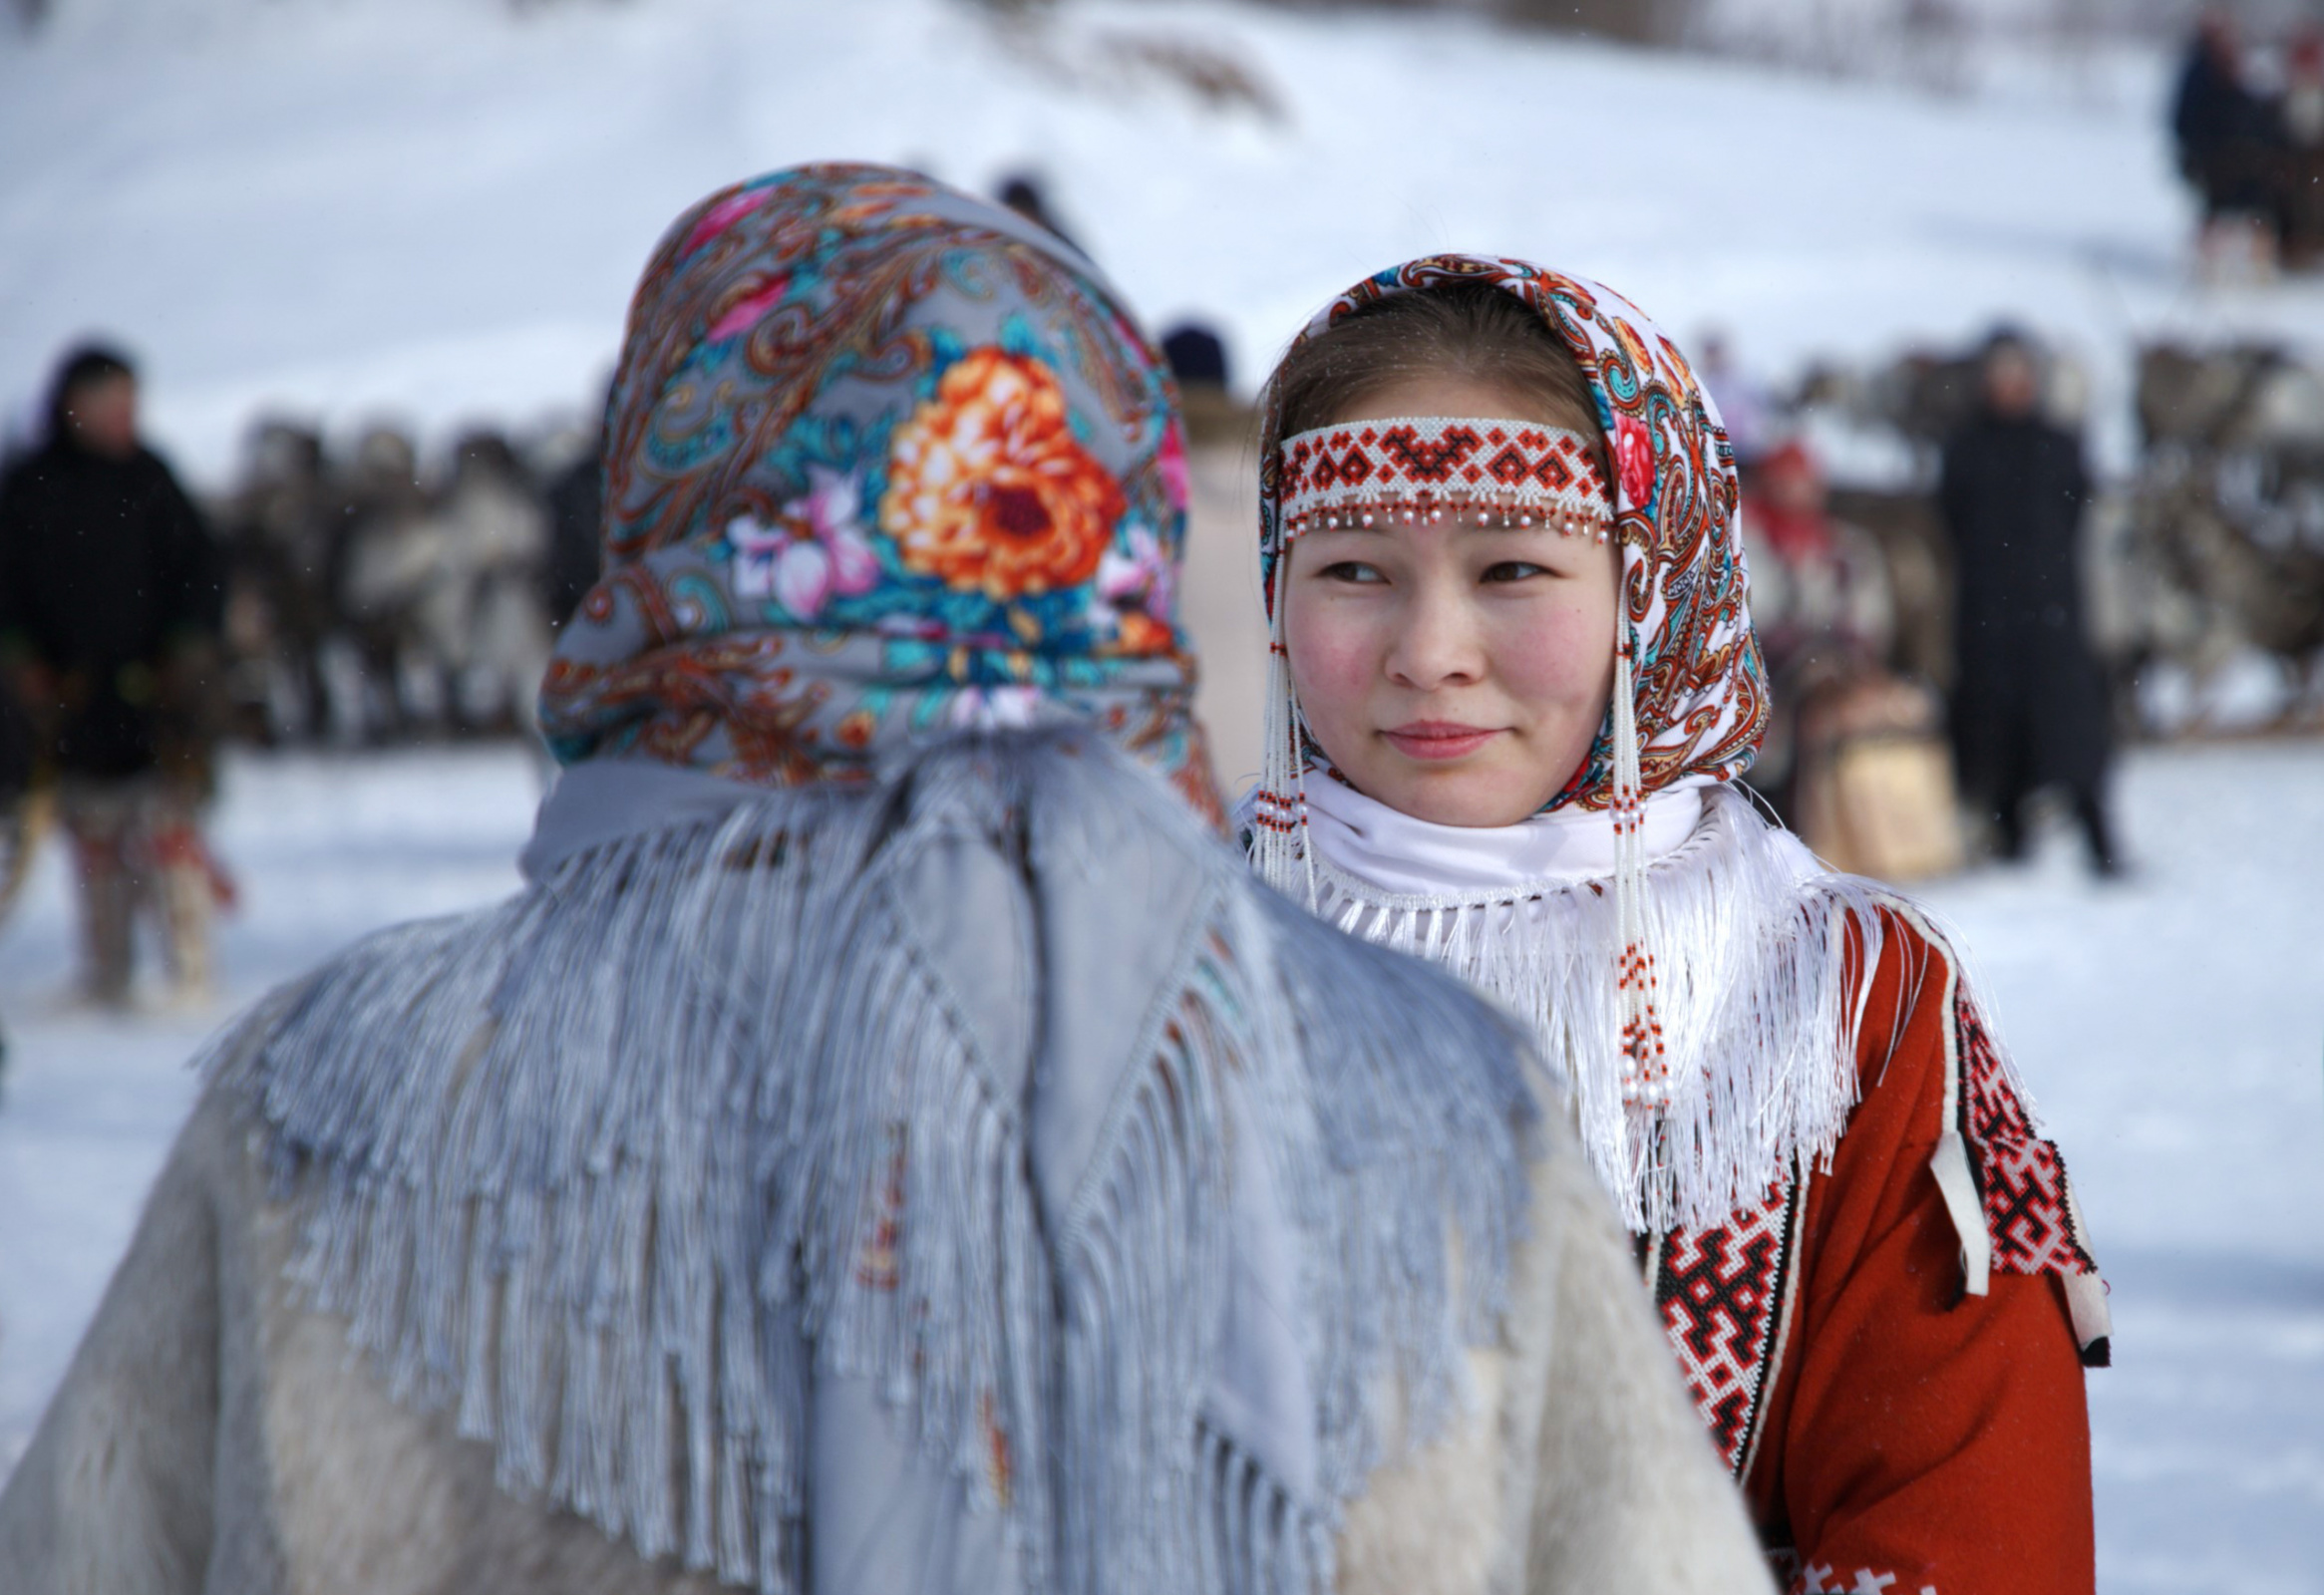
(1747, 928)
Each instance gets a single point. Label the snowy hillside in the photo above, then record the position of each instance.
(437, 207)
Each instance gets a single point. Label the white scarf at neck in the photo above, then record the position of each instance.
(1749, 931)
(1394, 852)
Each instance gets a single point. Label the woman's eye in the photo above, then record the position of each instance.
(1514, 570)
(1352, 570)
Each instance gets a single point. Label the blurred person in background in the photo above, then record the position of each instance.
(16, 774)
(110, 593)
(16, 822)
(485, 612)
(890, 1145)
(20, 812)
(2302, 180)
(2230, 148)
(1854, 759)
(1216, 603)
(1751, 414)
(2030, 709)
(1028, 197)
(1820, 604)
(575, 501)
(391, 562)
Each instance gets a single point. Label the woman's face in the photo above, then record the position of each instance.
(1455, 672)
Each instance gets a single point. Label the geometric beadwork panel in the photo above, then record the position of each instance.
(1719, 1291)
(2019, 1176)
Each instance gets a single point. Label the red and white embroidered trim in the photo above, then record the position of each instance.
(1499, 473)
(1725, 1294)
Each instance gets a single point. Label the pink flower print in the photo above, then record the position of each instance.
(744, 314)
(817, 550)
(1173, 465)
(1143, 579)
(832, 513)
(1634, 462)
(722, 216)
(803, 578)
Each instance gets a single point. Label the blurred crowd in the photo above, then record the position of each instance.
(2248, 121)
(369, 602)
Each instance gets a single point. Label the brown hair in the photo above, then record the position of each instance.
(1469, 330)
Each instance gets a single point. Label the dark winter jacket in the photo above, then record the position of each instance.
(2228, 134)
(576, 501)
(106, 573)
(2028, 692)
(16, 749)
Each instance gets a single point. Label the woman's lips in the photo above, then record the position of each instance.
(1438, 739)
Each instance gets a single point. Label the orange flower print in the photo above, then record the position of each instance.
(988, 489)
(1143, 635)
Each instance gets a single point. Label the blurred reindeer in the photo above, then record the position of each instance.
(282, 540)
(2226, 526)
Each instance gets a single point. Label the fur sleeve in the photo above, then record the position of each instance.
(1630, 1495)
(115, 1491)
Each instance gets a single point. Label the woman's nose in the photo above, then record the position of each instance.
(1439, 643)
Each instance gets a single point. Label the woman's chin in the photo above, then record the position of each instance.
(1472, 799)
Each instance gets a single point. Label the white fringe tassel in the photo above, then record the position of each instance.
(1753, 1002)
(1645, 1062)
(1278, 804)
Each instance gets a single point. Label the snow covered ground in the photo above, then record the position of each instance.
(436, 208)
(2173, 1027)
(324, 849)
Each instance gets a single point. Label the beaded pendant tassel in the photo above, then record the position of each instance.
(1278, 812)
(1646, 1078)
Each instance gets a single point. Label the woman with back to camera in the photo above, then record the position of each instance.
(1515, 679)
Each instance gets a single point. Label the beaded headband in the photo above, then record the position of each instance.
(1504, 473)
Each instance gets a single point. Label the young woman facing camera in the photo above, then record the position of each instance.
(1513, 683)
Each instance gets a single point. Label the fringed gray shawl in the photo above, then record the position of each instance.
(987, 1117)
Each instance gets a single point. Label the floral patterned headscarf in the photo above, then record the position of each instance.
(1698, 688)
(881, 459)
